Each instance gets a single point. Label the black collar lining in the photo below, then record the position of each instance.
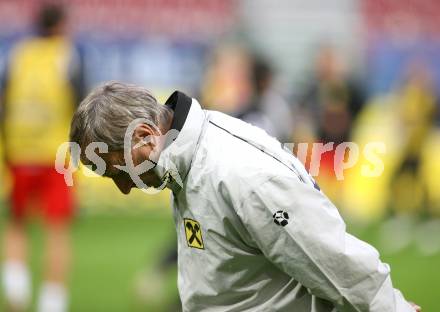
(180, 103)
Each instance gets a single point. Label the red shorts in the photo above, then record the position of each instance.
(45, 188)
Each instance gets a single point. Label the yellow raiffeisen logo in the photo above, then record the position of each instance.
(193, 233)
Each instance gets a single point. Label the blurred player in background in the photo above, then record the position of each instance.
(416, 110)
(330, 103)
(267, 109)
(241, 84)
(227, 85)
(331, 98)
(42, 84)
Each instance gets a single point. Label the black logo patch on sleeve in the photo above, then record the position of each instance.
(281, 218)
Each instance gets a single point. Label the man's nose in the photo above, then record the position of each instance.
(123, 184)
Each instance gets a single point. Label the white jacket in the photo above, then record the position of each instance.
(254, 231)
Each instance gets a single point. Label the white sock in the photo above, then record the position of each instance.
(53, 298)
(16, 284)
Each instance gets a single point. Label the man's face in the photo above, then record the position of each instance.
(139, 154)
(121, 178)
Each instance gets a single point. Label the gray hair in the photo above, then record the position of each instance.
(104, 115)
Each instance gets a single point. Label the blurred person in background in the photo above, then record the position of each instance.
(267, 109)
(416, 105)
(328, 107)
(227, 85)
(42, 85)
(242, 85)
(404, 121)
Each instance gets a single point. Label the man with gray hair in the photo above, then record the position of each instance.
(255, 233)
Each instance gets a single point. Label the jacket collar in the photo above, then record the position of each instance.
(175, 160)
(180, 103)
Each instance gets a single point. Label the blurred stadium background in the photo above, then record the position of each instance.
(345, 70)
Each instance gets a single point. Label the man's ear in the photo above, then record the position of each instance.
(145, 133)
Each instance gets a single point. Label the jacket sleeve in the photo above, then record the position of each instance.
(314, 248)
